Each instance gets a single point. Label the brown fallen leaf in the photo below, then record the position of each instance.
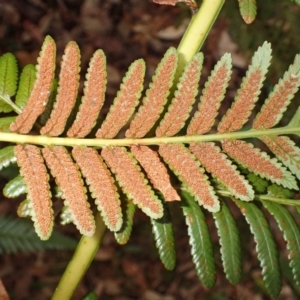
(191, 3)
(3, 292)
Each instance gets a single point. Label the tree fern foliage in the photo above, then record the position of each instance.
(165, 156)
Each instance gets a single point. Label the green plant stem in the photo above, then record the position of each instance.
(187, 139)
(191, 43)
(7, 100)
(85, 252)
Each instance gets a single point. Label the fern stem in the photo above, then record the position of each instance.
(197, 32)
(266, 198)
(83, 256)
(186, 139)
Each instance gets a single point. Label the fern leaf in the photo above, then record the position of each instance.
(122, 236)
(221, 168)
(260, 185)
(248, 10)
(132, 180)
(212, 96)
(35, 175)
(191, 3)
(67, 91)
(164, 239)
(156, 96)
(230, 243)
(259, 163)
(291, 234)
(15, 187)
(202, 251)
(185, 166)
(155, 170)
(8, 79)
(125, 102)
(25, 209)
(7, 156)
(278, 100)
(181, 104)
(248, 94)
(278, 191)
(265, 246)
(102, 186)
(27, 79)
(93, 99)
(286, 151)
(69, 180)
(5, 123)
(18, 236)
(41, 89)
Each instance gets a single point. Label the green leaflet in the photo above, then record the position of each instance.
(230, 243)
(5, 123)
(8, 80)
(27, 79)
(122, 236)
(248, 10)
(260, 185)
(265, 246)
(7, 156)
(17, 235)
(278, 191)
(15, 187)
(291, 234)
(202, 252)
(164, 239)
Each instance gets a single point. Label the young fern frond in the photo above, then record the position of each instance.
(135, 170)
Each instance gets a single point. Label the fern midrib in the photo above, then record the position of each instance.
(186, 139)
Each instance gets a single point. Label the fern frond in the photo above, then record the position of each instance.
(7, 156)
(230, 244)
(185, 166)
(202, 252)
(125, 102)
(69, 180)
(278, 100)
(18, 236)
(221, 168)
(132, 181)
(248, 10)
(5, 123)
(122, 236)
(15, 187)
(248, 94)
(41, 89)
(164, 239)
(93, 99)
(67, 91)
(27, 79)
(212, 96)
(102, 185)
(33, 170)
(265, 246)
(291, 234)
(156, 96)
(8, 80)
(181, 104)
(155, 170)
(259, 163)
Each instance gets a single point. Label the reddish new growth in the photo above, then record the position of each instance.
(67, 92)
(126, 101)
(33, 170)
(244, 102)
(184, 165)
(156, 97)
(155, 170)
(132, 180)
(245, 154)
(218, 165)
(41, 89)
(204, 118)
(93, 99)
(101, 185)
(68, 179)
(181, 105)
(275, 105)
